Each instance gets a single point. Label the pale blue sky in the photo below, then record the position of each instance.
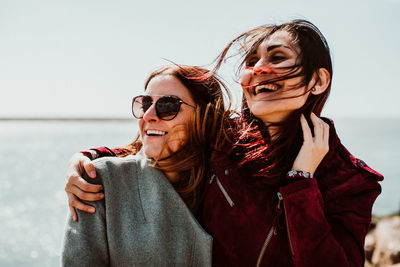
(87, 58)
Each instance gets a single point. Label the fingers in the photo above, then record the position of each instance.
(321, 128)
(321, 133)
(307, 135)
(76, 180)
(73, 214)
(315, 147)
(326, 134)
(78, 188)
(318, 128)
(79, 163)
(74, 202)
(84, 190)
(88, 167)
(73, 165)
(84, 195)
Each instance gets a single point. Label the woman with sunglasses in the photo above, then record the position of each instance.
(146, 216)
(285, 193)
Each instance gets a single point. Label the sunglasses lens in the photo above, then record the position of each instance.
(167, 107)
(140, 105)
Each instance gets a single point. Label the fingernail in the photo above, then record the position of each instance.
(92, 210)
(74, 218)
(102, 195)
(92, 173)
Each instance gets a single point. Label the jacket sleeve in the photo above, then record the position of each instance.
(85, 241)
(104, 151)
(329, 229)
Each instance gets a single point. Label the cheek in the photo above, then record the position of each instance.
(179, 133)
(141, 127)
(183, 135)
(294, 103)
(246, 77)
(177, 139)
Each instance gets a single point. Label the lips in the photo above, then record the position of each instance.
(155, 133)
(265, 88)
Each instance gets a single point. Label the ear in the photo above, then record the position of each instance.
(323, 79)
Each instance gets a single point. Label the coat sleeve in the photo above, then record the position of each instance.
(329, 229)
(104, 151)
(85, 241)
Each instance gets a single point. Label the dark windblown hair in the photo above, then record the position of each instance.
(260, 154)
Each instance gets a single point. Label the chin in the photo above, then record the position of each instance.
(260, 113)
(156, 153)
(152, 153)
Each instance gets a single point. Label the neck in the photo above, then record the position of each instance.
(173, 177)
(272, 130)
(274, 123)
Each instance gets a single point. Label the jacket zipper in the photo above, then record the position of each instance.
(264, 247)
(228, 198)
(269, 235)
(287, 226)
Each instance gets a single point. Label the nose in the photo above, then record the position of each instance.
(150, 116)
(261, 70)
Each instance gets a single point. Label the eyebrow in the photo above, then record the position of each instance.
(272, 47)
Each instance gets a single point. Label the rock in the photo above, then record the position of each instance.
(382, 244)
(369, 246)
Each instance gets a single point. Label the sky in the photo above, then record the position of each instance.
(88, 58)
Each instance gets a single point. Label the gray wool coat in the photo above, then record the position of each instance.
(141, 222)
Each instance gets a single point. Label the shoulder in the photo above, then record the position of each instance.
(116, 168)
(110, 164)
(339, 165)
(107, 162)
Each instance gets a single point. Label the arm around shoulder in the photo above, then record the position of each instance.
(85, 241)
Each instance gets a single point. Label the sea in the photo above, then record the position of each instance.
(34, 154)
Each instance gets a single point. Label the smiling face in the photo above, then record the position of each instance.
(269, 98)
(161, 137)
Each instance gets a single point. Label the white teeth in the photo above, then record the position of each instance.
(155, 132)
(271, 87)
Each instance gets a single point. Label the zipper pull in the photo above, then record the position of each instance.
(278, 207)
(287, 226)
(226, 195)
(275, 223)
(212, 178)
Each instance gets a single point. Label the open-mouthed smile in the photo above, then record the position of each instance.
(155, 133)
(271, 87)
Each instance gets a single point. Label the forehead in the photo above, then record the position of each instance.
(166, 84)
(282, 39)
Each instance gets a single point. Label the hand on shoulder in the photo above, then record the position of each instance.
(314, 147)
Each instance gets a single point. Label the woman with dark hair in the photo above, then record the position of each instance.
(285, 193)
(144, 219)
(291, 202)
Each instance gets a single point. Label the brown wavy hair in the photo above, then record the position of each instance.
(207, 132)
(260, 153)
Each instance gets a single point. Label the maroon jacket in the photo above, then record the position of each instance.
(312, 222)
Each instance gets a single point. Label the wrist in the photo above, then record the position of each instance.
(299, 174)
(294, 176)
(91, 154)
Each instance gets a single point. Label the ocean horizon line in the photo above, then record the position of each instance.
(131, 118)
(66, 119)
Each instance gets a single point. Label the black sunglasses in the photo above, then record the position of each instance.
(167, 106)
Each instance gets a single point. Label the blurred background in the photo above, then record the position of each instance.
(69, 69)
